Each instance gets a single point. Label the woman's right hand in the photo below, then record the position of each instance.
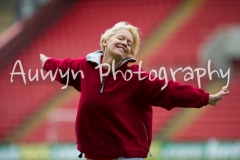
(43, 59)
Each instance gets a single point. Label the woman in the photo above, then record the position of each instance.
(114, 113)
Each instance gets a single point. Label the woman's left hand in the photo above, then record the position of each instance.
(43, 59)
(215, 98)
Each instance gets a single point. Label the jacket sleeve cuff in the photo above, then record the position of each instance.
(46, 64)
(205, 99)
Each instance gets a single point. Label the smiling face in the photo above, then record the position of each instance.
(119, 45)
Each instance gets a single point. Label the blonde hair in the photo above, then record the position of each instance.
(122, 25)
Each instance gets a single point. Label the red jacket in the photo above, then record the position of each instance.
(118, 121)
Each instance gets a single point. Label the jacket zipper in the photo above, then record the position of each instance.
(149, 153)
(145, 131)
(104, 79)
(102, 87)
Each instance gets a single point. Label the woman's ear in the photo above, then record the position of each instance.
(104, 42)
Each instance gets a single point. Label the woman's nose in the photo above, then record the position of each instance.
(124, 43)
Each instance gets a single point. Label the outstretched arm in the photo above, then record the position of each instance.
(66, 71)
(176, 95)
(215, 98)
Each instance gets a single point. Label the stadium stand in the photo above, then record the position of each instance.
(77, 32)
(221, 122)
(181, 49)
(74, 34)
